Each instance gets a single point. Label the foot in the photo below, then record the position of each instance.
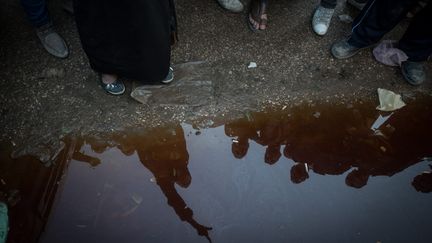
(170, 76)
(111, 84)
(321, 20)
(359, 4)
(257, 18)
(342, 49)
(53, 43)
(231, 5)
(413, 72)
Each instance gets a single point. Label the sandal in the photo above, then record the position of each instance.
(257, 17)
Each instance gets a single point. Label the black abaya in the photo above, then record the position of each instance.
(130, 38)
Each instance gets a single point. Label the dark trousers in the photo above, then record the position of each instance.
(36, 11)
(378, 17)
(332, 3)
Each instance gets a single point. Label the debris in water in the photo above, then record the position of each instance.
(317, 114)
(379, 122)
(389, 101)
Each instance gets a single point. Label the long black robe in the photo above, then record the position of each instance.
(130, 38)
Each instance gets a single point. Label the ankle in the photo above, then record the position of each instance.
(108, 78)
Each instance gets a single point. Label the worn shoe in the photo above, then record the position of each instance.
(116, 88)
(357, 4)
(413, 72)
(170, 76)
(342, 49)
(4, 222)
(231, 5)
(52, 42)
(321, 20)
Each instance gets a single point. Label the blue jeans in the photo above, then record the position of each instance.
(37, 12)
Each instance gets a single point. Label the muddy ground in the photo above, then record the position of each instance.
(44, 99)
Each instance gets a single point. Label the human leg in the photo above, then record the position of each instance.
(37, 14)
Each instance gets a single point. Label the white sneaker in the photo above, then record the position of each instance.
(321, 20)
(231, 5)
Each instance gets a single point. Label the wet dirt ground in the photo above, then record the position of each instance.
(283, 152)
(327, 173)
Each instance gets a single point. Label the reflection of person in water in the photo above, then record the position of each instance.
(77, 144)
(164, 153)
(242, 130)
(423, 182)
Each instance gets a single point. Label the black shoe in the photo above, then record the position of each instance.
(342, 49)
(413, 72)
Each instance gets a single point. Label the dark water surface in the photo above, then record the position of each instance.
(326, 173)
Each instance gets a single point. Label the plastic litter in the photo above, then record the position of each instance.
(252, 65)
(4, 222)
(192, 86)
(379, 122)
(387, 53)
(389, 101)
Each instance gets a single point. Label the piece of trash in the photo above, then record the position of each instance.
(153, 179)
(252, 65)
(193, 86)
(388, 54)
(284, 107)
(317, 114)
(383, 149)
(345, 18)
(389, 101)
(379, 122)
(4, 222)
(235, 140)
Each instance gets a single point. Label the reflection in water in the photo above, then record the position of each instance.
(352, 141)
(332, 142)
(163, 152)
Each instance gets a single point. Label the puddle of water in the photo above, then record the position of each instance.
(337, 173)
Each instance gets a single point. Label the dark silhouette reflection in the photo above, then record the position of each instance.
(163, 152)
(333, 140)
(423, 182)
